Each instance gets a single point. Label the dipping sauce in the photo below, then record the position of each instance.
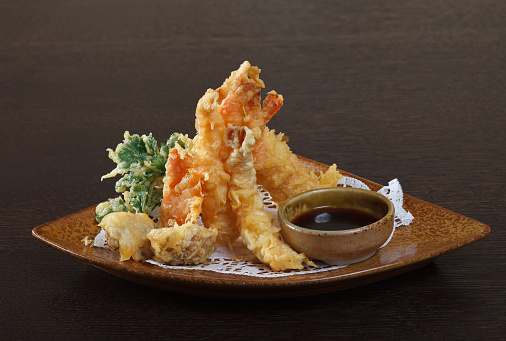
(328, 218)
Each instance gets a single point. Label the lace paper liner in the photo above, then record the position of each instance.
(393, 192)
(241, 261)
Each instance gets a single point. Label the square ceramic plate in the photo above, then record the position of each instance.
(433, 232)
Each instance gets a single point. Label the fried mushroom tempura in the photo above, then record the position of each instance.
(185, 244)
(255, 225)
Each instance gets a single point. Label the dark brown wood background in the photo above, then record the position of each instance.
(413, 90)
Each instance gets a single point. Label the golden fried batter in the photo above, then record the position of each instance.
(181, 240)
(182, 244)
(282, 174)
(128, 233)
(278, 169)
(182, 188)
(255, 225)
(216, 210)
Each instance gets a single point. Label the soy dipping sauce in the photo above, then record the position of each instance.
(328, 218)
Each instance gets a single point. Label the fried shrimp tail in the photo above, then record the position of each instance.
(240, 99)
(255, 225)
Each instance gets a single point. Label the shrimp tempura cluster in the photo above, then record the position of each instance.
(236, 151)
(217, 179)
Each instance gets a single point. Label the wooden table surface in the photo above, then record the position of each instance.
(413, 90)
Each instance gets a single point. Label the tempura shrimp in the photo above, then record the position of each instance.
(236, 102)
(182, 240)
(279, 171)
(216, 209)
(241, 101)
(255, 225)
(182, 188)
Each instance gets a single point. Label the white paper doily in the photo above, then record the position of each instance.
(241, 261)
(393, 192)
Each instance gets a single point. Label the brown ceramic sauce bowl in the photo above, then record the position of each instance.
(338, 247)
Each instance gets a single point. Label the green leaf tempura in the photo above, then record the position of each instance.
(141, 163)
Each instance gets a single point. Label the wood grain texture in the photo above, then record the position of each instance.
(412, 90)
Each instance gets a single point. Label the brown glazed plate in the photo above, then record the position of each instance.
(433, 232)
